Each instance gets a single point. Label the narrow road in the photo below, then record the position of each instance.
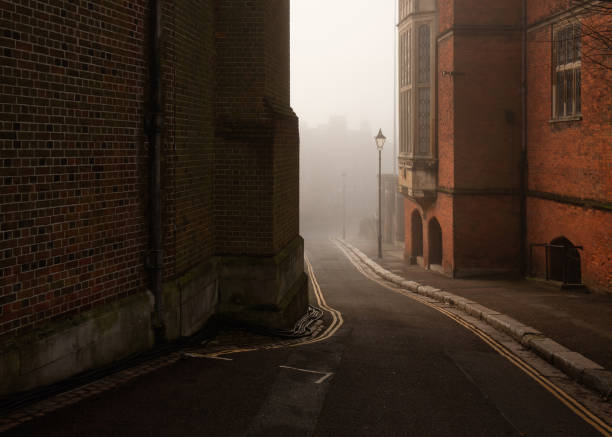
(391, 367)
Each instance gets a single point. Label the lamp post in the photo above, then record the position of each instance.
(344, 206)
(380, 142)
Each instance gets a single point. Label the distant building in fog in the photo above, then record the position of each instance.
(497, 181)
(326, 153)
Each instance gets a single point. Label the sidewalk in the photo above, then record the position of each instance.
(582, 322)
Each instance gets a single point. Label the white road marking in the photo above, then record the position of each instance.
(211, 357)
(318, 381)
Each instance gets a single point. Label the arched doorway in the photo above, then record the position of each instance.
(564, 260)
(416, 234)
(435, 242)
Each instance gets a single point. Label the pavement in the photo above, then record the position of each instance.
(570, 329)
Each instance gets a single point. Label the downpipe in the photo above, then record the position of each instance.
(153, 125)
(523, 163)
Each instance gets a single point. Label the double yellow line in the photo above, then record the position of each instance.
(337, 322)
(573, 404)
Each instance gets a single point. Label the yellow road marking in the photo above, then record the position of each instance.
(572, 403)
(337, 322)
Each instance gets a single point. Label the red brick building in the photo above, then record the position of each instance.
(99, 102)
(505, 134)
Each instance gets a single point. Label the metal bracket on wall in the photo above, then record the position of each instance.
(154, 259)
(452, 73)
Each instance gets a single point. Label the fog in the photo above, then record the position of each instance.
(342, 77)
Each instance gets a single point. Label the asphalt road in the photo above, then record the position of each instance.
(394, 368)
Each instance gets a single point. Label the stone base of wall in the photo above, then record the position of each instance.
(269, 291)
(264, 291)
(190, 301)
(91, 339)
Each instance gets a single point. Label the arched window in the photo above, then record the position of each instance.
(564, 261)
(416, 233)
(435, 242)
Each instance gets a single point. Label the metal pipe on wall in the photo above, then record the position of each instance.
(523, 163)
(154, 126)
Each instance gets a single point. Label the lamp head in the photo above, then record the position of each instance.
(380, 140)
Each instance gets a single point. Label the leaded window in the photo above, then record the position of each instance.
(424, 53)
(404, 54)
(405, 114)
(567, 71)
(424, 120)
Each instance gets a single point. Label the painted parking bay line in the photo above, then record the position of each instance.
(318, 381)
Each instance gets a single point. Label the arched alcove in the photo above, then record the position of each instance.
(564, 260)
(435, 242)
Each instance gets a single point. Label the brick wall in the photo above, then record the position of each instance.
(192, 151)
(538, 10)
(569, 161)
(568, 158)
(257, 148)
(487, 234)
(479, 141)
(286, 182)
(486, 12)
(446, 110)
(590, 228)
(487, 120)
(277, 51)
(72, 212)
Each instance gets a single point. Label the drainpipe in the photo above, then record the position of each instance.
(154, 126)
(523, 171)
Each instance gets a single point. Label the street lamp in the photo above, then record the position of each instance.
(380, 142)
(344, 206)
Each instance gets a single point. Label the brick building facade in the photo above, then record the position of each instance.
(77, 118)
(506, 139)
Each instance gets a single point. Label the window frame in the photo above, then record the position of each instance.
(562, 68)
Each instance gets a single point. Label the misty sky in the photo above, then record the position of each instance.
(342, 61)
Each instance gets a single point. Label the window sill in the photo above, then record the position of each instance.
(565, 119)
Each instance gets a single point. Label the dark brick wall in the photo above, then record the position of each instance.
(73, 173)
(191, 59)
(286, 182)
(71, 191)
(256, 195)
(277, 51)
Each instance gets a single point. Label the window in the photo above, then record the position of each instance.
(566, 71)
(423, 97)
(405, 8)
(405, 82)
